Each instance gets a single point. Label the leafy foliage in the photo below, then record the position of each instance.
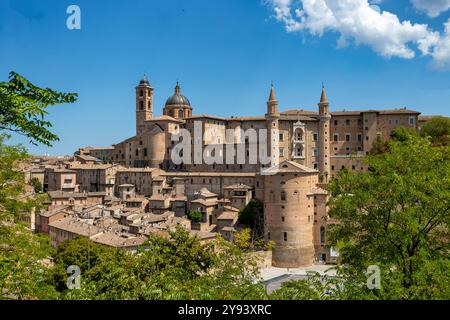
(11, 179)
(23, 108)
(179, 267)
(400, 134)
(22, 254)
(438, 129)
(23, 264)
(396, 216)
(252, 215)
(195, 216)
(246, 240)
(37, 186)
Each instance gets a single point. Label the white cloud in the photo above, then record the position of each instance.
(433, 8)
(363, 23)
(441, 52)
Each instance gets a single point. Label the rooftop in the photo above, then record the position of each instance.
(228, 215)
(287, 166)
(239, 186)
(114, 240)
(73, 225)
(66, 195)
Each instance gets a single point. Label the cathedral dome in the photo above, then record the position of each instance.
(177, 99)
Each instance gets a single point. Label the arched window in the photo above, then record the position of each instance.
(181, 114)
(148, 104)
(322, 234)
(299, 150)
(141, 105)
(141, 93)
(283, 196)
(299, 134)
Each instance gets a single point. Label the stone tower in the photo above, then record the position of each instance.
(324, 137)
(144, 104)
(289, 213)
(272, 118)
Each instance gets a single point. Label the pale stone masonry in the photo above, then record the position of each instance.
(96, 177)
(312, 147)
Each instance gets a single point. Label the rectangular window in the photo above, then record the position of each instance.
(335, 137)
(412, 121)
(281, 137)
(359, 137)
(145, 152)
(281, 152)
(347, 122)
(285, 236)
(347, 137)
(335, 122)
(315, 137)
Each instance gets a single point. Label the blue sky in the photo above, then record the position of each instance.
(225, 54)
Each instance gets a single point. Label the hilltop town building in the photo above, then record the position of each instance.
(305, 148)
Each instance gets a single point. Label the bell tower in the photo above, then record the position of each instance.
(144, 104)
(272, 116)
(324, 136)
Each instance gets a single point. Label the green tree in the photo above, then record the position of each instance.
(403, 134)
(398, 134)
(23, 108)
(23, 256)
(11, 179)
(379, 146)
(195, 216)
(24, 261)
(438, 128)
(246, 240)
(178, 267)
(36, 184)
(80, 252)
(243, 239)
(252, 215)
(396, 216)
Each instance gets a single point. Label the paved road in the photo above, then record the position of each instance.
(274, 277)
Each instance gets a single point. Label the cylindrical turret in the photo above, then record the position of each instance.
(289, 214)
